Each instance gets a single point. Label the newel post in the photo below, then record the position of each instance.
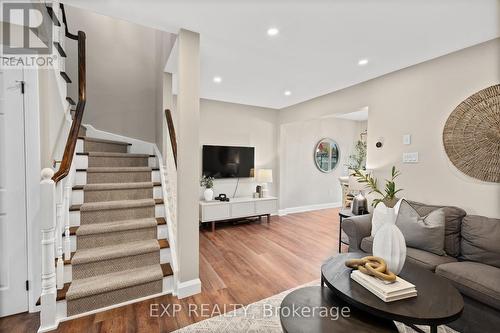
(48, 230)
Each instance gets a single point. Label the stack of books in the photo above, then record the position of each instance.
(386, 291)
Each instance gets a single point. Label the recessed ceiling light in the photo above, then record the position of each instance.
(217, 79)
(363, 62)
(287, 93)
(272, 31)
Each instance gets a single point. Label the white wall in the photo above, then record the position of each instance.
(417, 101)
(302, 184)
(124, 63)
(241, 125)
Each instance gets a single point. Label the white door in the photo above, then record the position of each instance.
(13, 252)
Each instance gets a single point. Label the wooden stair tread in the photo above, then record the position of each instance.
(163, 243)
(159, 221)
(53, 16)
(60, 49)
(80, 187)
(65, 77)
(70, 100)
(85, 170)
(61, 293)
(166, 269)
(76, 207)
(104, 140)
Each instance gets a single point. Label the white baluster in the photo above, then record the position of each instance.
(48, 229)
(59, 226)
(67, 237)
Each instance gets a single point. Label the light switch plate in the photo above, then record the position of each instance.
(407, 139)
(410, 157)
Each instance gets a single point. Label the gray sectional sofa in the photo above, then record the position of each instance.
(471, 263)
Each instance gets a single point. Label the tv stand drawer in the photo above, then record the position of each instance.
(241, 209)
(215, 212)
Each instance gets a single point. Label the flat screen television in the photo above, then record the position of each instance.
(228, 161)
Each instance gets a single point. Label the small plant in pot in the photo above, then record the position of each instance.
(208, 184)
(388, 195)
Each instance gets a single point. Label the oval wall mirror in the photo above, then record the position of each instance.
(326, 155)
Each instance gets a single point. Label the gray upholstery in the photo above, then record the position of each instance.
(357, 228)
(481, 240)
(424, 232)
(479, 283)
(476, 280)
(453, 221)
(422, 258)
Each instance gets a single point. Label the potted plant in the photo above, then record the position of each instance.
(208, 184)
(357, 160)
(388, 195)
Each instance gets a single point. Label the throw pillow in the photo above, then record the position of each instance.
(382, 215)
(422, 232)
(481, 240)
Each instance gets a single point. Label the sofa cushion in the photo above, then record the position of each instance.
(453, 220)
(422, 232)
(422, 258)
(475, 280)
(481, 240)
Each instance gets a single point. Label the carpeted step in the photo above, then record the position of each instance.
(82, 131)
(102, 145)
(103, 159)
(115, 232)
(98, 212)
(118, 175)
(104, 290)
(117, 191)
(114, 258)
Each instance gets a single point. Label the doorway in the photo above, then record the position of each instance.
(13, 219)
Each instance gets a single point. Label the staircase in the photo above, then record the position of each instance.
(118, 233)
(104, 226)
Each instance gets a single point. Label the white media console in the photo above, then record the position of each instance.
(212, 211)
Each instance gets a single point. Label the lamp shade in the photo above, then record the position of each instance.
(265, 176)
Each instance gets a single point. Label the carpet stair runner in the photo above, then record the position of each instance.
(117, 258)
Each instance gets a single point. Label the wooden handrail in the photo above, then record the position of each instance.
(69, 149)
(171, 133)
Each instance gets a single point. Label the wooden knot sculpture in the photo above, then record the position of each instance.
(372, 265)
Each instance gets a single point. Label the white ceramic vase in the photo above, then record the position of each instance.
(389, 244)
(208, 194)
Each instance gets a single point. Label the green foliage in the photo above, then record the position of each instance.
(357, 160)
(390, 190)
(207, 182)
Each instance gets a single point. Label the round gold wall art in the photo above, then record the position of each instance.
(471, 135)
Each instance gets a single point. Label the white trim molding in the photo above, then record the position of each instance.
(188, 288)
(308, 208)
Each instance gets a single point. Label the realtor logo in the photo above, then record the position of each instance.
(29, 31)
(27, 36)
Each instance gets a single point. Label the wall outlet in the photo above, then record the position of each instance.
(407, 139)
(410, 157)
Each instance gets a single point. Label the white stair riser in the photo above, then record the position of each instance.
(82, 162)
(77, 195)
(165, 257)
(162, 231)
(81, 177)
(74, 216)
(79, 146)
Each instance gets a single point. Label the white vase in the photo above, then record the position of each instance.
(389, 244)
(208, 194)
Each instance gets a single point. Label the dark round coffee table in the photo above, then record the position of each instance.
(301, 312)
(437, 303)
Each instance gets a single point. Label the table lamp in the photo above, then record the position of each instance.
(265, 176)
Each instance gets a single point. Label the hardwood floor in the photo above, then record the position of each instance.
(239, 264)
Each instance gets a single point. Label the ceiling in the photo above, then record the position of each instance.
(319, 43)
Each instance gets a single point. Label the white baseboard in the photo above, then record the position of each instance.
(308, 208)
(188, 288)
